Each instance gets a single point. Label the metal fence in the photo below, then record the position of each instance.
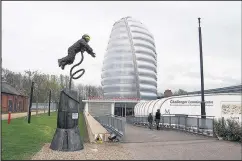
(113, 123)
(188, 123)
(45, 106)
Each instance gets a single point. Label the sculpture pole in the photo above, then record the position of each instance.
(80, 70)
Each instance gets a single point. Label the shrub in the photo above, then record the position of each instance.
(233, 130)
(219, 127)
(228, 129)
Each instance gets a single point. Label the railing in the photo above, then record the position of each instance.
(115, 124)
(188, 123)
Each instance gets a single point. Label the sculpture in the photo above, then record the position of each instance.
(67, 135)
(80, 46)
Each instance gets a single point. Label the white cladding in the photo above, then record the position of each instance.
(218, 105)
(129, 65)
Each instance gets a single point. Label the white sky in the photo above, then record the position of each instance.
(35, 34)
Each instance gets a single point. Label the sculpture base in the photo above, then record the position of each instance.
(67, 140)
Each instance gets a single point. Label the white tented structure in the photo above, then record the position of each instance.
(217, 105)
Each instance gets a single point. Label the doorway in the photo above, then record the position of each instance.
(124, 109)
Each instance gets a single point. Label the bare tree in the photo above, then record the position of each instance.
(180, 92)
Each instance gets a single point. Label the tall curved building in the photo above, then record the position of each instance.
(129, 66)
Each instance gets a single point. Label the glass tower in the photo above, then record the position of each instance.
(129, 65)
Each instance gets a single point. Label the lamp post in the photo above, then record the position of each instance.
(203, 111)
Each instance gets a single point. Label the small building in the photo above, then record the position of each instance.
(168, 93)
(117, 107)
(12, 100)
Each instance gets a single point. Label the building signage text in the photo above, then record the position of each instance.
(189, 103)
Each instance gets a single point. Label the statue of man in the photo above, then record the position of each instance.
(80, 46)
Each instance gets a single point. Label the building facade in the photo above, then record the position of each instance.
(112, 107)
(129, 67)
(12, 100)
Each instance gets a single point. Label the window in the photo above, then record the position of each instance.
(20, 106)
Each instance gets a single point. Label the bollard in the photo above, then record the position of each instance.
(67, 135)
(9, 117)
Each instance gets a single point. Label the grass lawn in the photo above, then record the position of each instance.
(21, 140)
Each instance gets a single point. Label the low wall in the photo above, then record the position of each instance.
(94, 129)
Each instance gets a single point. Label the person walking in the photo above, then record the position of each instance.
(150, 121)
(157, 119)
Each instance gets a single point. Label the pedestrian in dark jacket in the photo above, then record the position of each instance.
(80, 46)
(157, 119)
(150, 120)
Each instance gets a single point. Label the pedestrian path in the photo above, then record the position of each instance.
(141, 134)
(144, 143)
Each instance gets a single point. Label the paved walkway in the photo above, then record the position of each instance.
(136, 134)
(144, 143)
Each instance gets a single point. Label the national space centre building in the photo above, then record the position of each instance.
(129, 66)
(129, 71)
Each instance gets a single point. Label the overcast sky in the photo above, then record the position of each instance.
(36, 34)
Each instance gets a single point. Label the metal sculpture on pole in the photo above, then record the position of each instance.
(67, 135)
